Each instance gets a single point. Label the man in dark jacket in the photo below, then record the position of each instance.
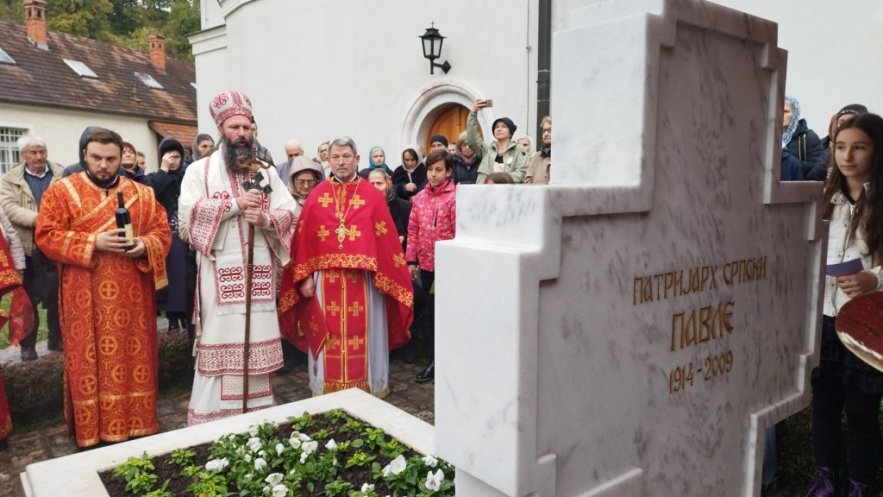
(803, 142)
(398, 207)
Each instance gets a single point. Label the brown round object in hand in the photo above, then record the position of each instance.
(859, 326)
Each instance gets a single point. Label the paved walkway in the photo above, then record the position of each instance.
(47, 443)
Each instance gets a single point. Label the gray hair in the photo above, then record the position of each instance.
(343, 141)
(294, 142)
(30, 141)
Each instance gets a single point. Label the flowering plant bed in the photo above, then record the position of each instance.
(330, 454)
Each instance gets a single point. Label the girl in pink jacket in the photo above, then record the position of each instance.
(433, 218)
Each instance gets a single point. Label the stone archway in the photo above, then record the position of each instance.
(430, 106)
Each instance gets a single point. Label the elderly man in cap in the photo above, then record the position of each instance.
(220, 201)
(503, 154)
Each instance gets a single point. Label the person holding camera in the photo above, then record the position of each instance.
(502, 154)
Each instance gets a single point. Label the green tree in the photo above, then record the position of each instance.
(87, 18)
(12, 10)
(125, 23)
(183, 20)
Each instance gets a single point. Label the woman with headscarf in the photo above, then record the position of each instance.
(166, 185)
(304, 175)
(376, 160)
(803, 142)
(409, 178)
(203, 146)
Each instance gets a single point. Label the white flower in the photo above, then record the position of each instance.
(280, 491)
(310, 447)
(262, 453)
(254, 444)
(395, 466)
(434, 481)
(331, 445)
(259, 464)
(303, 437)
(303, 457)
(216, 465)
(253, 431)
(279, 449)
(246, 458)
(430, 461)
(367, 487)
(294, 442)
(274, 478)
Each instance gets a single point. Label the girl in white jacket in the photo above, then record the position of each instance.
(842, 381)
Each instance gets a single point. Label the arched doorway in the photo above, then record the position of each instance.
(450, 122)
(443, 107)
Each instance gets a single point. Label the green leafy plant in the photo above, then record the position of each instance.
(182, 457)
(332, 455)
(138, 473)
(161, 491)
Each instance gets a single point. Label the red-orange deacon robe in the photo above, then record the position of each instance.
(107, 306)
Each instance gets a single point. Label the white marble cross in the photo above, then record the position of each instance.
(631, 329)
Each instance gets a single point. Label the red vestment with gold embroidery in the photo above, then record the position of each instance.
(345, 229)
(10, 280)
(107, 306)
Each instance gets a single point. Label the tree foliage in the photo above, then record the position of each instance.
(125, 23)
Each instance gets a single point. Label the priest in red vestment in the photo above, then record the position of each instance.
(107, 293)
(346, 297)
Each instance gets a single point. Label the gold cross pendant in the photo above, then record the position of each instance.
(341, 235)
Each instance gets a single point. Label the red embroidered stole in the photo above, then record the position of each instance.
(345, 297)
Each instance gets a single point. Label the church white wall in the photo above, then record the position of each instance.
(833, 49)
(61, 128)
(316, 69)
(831, 46)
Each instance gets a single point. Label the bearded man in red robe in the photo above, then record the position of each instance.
(346, 297)
(107, 293)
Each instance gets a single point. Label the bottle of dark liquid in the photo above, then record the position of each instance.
(124, 221)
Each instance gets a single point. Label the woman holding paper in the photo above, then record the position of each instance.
(842, 381)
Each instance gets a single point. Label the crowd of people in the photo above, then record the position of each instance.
(239, 251)
(337, 260)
